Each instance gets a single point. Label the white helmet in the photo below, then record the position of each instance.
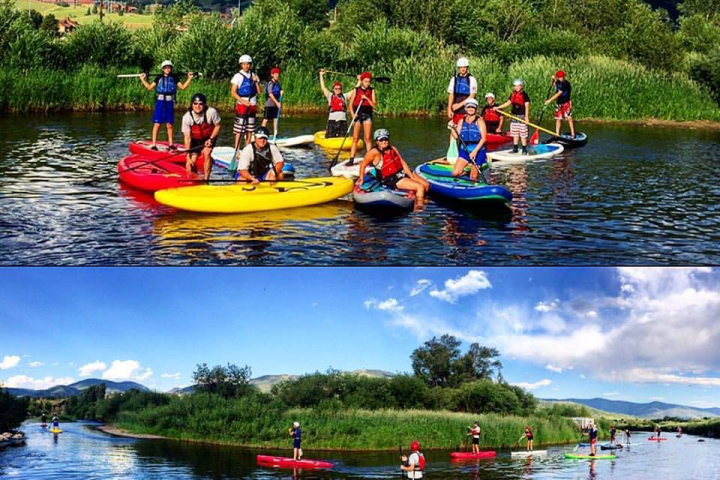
(246, 59)
(462, 62)
(471, 102)
(381, 133)
(518, 81)
(296, 424)
(166, 63)
(489, 95)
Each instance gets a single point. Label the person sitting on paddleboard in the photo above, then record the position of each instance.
(415, 463)
(493, 121)
(363, 100)
(201, 127)
(520, 102)
(165, 85)
(529, 435)
(563, 105)
(592, 434)
(473, 134)
(613, 432)
(337, 108)
(244, 88)
(260, 160)
(475, 432)
(296, 434)
(273, 92)
(391, 169)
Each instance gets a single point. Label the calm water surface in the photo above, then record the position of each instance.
(81, 452)
(633, 195)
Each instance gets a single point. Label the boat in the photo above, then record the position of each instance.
(583, 456)
(528, 453)
(142, 148)
(153, 175)
(373, 195)
(472, 456)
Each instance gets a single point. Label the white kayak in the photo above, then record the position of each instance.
(525, 453)
(535, 152)
(342, 169)
(289, 142)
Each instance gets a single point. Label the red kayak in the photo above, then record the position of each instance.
(153, 175)
(497, 138)
(163, 153)
(284, 462)
(471, 456)
(657, 439)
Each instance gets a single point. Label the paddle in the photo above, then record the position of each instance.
(275, 130)
(472, 160)
(527, 123)
(452, 151)
(535, 139)
(401, 460)
(137, 75)
(383, 80)
(352, 122)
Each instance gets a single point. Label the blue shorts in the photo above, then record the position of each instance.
(480, 158)
(164, 112)
(296, 443)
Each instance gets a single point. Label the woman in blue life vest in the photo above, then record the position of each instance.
(166, 86)
(471, 130)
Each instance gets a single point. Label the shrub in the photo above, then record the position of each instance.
(101, 44)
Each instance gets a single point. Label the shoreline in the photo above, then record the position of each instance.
(120, 432)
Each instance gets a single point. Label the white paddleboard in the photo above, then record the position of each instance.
(528, 454)
(223, 156)
(535, 152)
(342, 169)
(289, 142)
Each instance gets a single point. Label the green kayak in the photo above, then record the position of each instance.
(582, 456)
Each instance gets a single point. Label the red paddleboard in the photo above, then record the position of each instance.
(151, 176)
(471, 456)
(497, 138)
(657, 439)
(142, 147)
(284, 462)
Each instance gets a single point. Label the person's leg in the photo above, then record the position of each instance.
(558, 122)
(191, 161)
(572, 126)
(460, 165)
(170, 135)
(355, 138)
(207, 156)
(367, 127)
(155, 129)
(411, 185)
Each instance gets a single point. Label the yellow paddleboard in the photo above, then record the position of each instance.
(244, 197)
(335, 142)
(55, 430)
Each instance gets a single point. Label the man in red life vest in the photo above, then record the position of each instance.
(201, 127)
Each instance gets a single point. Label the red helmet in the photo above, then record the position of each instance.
(560, 74)
(365, 75)
(274, 70)
(415, 446)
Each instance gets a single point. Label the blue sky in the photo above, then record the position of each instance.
(637, 334)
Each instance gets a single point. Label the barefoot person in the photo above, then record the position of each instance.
(563, 105)
(391, 169)
(273, 92)
(529, 435)
(473, 134)
(201, 127)
(244, 88)
(364, 101)
(166, 86)
(593, 435)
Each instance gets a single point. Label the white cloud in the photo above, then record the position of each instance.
(582, 376)
(370, 303)
(420, 286)
(611, 394)
(553, 368)
(36, 364)
(170, 375)
(546, 307)
(88, 369)
(699, 403)
(657, 375)
(474, 281)
(9, 361)
(591, 314)
(533, 386)
(389, 305)
(23, 381)
(126, 370)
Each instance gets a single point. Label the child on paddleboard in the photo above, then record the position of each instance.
(364, 101)
(563, 105)
(493, 121)
(475, 432)
(273, 92)
(296, 434)
(244, 88)
(337, 108)
(529, 435)
(592, 434)
(520, 102)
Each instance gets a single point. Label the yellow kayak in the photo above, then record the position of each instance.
(335, 142)
(243, 197)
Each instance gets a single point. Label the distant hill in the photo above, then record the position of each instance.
(62, 391)
(644, 410)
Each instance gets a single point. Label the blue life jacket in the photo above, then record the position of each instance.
(247, 87)
(167, 85)
(276, 90)
(470, 134)
(461, 89)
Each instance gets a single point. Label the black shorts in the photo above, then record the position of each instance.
(392, 180)
(476, 441)
(365, 114)
(271, 113)
(336, 128)
(492, 126)
(194, 143)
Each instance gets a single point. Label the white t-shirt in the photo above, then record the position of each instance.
(414, 459)
(338, 116)
(247, 156)
(473, 85)
(238, 80)
(190, 119)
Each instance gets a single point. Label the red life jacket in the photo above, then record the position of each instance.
(359, 94)
(337, 103)
(391, 163)
(202, 130)
(491, 115)
(421, 463)
(517, 98)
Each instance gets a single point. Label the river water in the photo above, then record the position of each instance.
(633, 195)
(81, 452)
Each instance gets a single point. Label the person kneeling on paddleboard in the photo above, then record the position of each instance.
(296, 434)
(201, 127)
(244, 88)
(337, 108)
(563, 105)
(493, 121)
(165, 86)
(260, 160)
(473, 134)
(391, 169)
(415, 463)
(475, 432)
(520, 102)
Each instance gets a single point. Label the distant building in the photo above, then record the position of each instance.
(583, 423)
(67, 25)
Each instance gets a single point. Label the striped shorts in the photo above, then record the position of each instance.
(245, 116)
(518, 128)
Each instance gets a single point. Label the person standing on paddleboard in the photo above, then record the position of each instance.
(473, 134)
(363, 100)
(462, 87)
(273, 92)
(563, 105)
(613, 432)
(657, 431)
(415, 463)
(244, 88)
(679, 434)
(337, 108)
(529, 435)
(55, 422)
(493, 121)
(201, 127)
(592, 434)
(296, 434)
(43, 419)
(627, 436)
(475, 432)
(165, 85)
(520, 102)
(260, 160)
(391, 169)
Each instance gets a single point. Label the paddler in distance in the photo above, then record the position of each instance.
(260, 160)
(592, 433)
(415, 463)
(473, 134)
(563, 105)
(201, 127)
(364, 100)
(529, 435)
(296, 434)
(475, 432)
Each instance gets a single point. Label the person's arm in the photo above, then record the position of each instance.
(214, 135)
(527, 111)
(500, 125)
(350, 101)
(244, 165)
(324, 89)
(278, 163)
(272, 97)
(454, 128)
(234, 94)
(256, 79)
(183, 86)
(369, 157)
(504, 105)
(450, 105)
(554, 97)
(373, 100)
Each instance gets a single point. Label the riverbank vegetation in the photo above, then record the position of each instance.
(636, 65)
(13, 411)
(446, 392)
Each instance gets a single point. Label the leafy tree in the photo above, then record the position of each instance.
(36, 18)
(709, 9)
(312, 13)
(13, 410)
(697, 34)
(229, 382)
(50, 24)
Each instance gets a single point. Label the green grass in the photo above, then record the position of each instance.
(130, 20)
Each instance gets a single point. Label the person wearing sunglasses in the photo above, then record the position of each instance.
(472, 132)
(201, 127)
(337, 108)
(260, 160)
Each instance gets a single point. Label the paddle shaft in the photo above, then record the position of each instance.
(534, 139)
(377, 79)
(527, 123)
(150, 162)
(138, 75)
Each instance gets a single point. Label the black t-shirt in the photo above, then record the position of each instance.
(519, 109)
(564, 87)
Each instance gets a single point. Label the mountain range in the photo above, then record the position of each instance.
(61, 391)
(643, 410)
